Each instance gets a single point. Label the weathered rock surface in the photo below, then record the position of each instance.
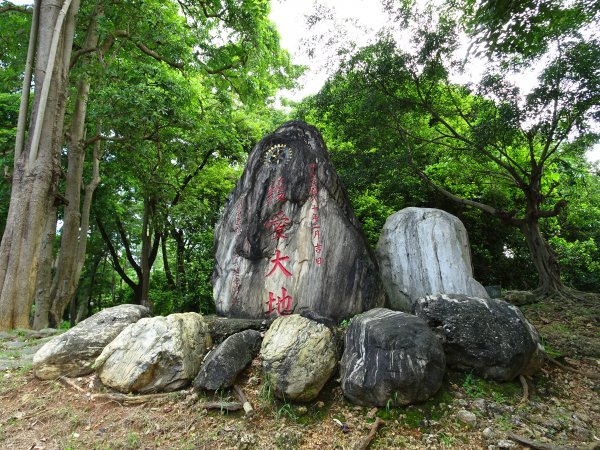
(299, 356)
(222, 365)
(74, 352)
(222, 327)
(487, 335)
(520, 298)
(155, 354)
(390, 355)
(424, 251)
(288, 240)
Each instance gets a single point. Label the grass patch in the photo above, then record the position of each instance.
(476, 387)
(550, 350)
(416, 416)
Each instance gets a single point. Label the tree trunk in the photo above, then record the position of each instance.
(180, 275)
(37, 170)
(544, 260)
(75, 227)
(145, 257)
(44, 277)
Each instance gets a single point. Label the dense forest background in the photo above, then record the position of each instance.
(154, 107)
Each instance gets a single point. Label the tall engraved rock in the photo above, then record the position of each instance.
(288, 240)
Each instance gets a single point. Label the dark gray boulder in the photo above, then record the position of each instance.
(222, 365)
(74, 352)
(390, 356)
(221, 328)
(487, 335)
(288, 240)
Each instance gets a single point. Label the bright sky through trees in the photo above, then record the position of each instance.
(354, 20)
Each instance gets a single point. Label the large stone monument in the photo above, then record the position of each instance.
(288, 240)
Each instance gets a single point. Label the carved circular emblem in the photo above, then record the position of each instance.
(277, 154)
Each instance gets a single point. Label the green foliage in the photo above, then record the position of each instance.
(391, 113)
(525, 28)
(581, 261)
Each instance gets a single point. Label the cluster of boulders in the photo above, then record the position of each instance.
(289, 248)
(130, 351)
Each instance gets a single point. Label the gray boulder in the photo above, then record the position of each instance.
(299, 356)
(155, 354)
(222, 327)
(73, 353)
(487, 335)
(423, 251)
(520, 298)
(288, 240)
(390, 356)
(222, 365)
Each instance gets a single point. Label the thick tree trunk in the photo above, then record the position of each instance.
(43, 283)
(75, 227)
(36, 174)
(75, 230)
(544, 260)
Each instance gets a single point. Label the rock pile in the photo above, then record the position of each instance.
(291, 260)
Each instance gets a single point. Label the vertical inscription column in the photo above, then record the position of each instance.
(277, 224)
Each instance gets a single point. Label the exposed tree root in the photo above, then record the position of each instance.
(525, 385)
(561, 293)
(366, 441)
(534, 444)
(242, 397)
(591, 376)
(130, 399)
(71, 384)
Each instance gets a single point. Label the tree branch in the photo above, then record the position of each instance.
(166, 264)
(148, 51)
(558, 207)
(125, 242)
(507, 217)
(21, 9)
(115, 258)
(78, 54)
(189, 177)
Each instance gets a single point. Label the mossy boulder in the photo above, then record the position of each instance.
(299, 356)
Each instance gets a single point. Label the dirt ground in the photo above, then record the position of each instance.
(563, 409)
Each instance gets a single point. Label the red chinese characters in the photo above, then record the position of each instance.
(277, 225)
(282, 304)
(236, 261)
(314, 222)
(278, 264)
(276, 191)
